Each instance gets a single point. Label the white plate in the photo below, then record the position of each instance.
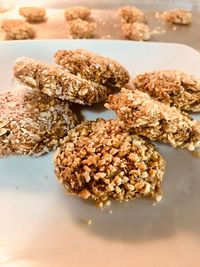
(41, 226)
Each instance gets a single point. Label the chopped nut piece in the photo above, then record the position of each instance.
(92, 66)
(57, 82)
(16, 29)
(35, 123)
(136, 31)
(33, 14)
(104, 186)
(172, 87)
(178, 16)
(155, 120)
(80, 29)
(131, 14)
(77, 12)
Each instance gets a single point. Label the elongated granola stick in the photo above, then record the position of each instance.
(32, 123)
(155, 120)
(57, 82)
(173, 87)
(102, 160)
(92, 66)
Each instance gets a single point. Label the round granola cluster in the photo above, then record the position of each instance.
(102, 160)
(33, 14)
(80, 29)
(178, 16)
(16, 29)
(131, 14)
(136, 31)
(32, 123)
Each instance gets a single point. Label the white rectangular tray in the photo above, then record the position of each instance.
(40, 226)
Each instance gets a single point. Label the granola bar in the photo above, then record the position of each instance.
(33, 14)
(172, 87)
(32, 123)
(155, 120)
(102, 161)
(92, 66)
(16, 29)
(81, 29)
(57, 82)
(178, 16)
(77, 12)
(131, 14)
(136, 31)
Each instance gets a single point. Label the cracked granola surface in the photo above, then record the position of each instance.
(172, 87)
(32, 123)
(57, 82)
(17, 29)
(131, 14)
(81, 29)
(178, 16)
(101, 160)
(33, 14)
(92, 66)
(136, 31)
(77, 12)
(155, 120)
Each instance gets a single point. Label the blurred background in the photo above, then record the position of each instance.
(10, 4)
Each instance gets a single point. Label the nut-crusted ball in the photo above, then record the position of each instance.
(136, 31)
(102, 160)
(16, 29)
(57, 82)
(81, 29)
(33, 14)
(92, 66)
(32, 123)
(131, 14)
(157, 121)
(77, 12)
(173, 87)
(178, 16)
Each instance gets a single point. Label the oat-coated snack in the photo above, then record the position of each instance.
(155, 120)
(81, 29)
(57, 82)
(92, 66)
(33, 14)
(131, 14)
(17, 29)
(77, 12)
(178, 16)
(136, 31)
(32, 123)
(101, 160)
(173, 87)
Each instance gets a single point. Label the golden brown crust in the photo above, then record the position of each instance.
(172, 87)
(33, 14)
(77, 12)
(16, 29)
(131, 14)
(155, 120)
(81, 29)
(32, 123)
(136, 31)
(178, 16)
(92, 66)
(102, 160)
(57, 82)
